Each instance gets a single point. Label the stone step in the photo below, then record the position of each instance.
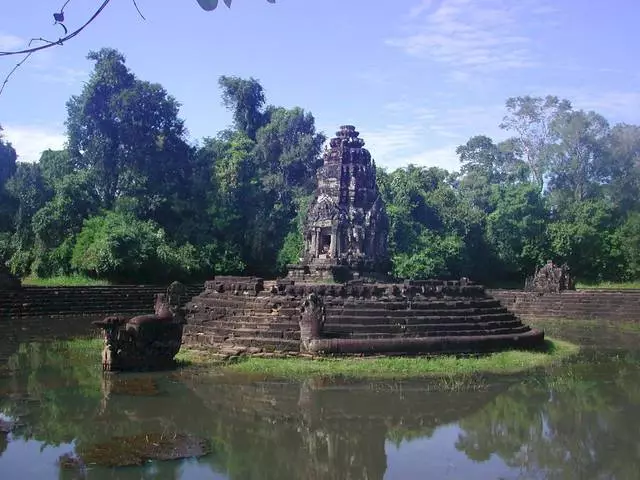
(281, 344)
(445, 333)
(231, 324)
(422, 319)
(371, 312)
(356, 331)
(259, 333)
(404, 305)
(422, 327)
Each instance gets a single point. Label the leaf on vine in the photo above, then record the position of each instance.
(227, 3)
(59, 17)
(208, 5)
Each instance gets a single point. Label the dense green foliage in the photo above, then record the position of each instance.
(130, 199)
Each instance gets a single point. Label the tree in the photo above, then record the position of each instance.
(582, 236)
(127, 134)
(8, 167)
(516, 228)
(578, 163)
(118, 246)
(531, 118)
(245, 99)
(485, 164)
(624, 167)
(481, 157)
(626, 240)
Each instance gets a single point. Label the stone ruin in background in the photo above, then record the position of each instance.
(550, 278)
(345, 232)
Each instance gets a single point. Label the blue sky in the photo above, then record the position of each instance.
(416, 77)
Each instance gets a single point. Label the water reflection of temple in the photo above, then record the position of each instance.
(278, 430)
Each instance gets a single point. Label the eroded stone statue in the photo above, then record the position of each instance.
(550, 278)
(147, 341)
(312, 317)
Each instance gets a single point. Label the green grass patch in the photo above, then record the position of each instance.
(378, 367)
(63, 281)
(609, 285)
(396, 367)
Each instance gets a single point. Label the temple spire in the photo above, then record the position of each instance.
(347, 225)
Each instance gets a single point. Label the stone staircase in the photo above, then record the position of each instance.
(270, 320)
(251, 321)
(419, 319)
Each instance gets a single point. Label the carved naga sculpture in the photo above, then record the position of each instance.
(312, 318)
(145, 341)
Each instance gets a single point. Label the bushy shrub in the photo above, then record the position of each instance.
(20, 262)
(118, 246)
(626, 240)
(435, 256)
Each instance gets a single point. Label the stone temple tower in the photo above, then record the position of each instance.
(345, 233)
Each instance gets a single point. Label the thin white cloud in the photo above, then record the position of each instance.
(443, 157)
(430, 137)
(387, 143)
(471, 35)
(65, 75)
(614, 105)
(10, 42)
(30, 141)
(620, 105)
(420, 8)
(373, 76)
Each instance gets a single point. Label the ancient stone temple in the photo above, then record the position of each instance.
(338, 300)
(345, 233)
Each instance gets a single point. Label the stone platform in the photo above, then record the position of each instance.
(414, 317)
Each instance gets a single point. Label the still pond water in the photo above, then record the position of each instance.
(577, 420)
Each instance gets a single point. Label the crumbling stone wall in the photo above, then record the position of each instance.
(620, 305)
(82, 301)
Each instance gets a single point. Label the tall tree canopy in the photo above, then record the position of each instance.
(130, 199)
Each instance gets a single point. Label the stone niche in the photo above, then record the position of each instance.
(346, 229)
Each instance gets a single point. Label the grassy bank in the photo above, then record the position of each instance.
(63, 281)
(378, 367)
(513, 361)
(609, 286)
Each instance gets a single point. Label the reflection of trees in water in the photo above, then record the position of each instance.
(49, 392)
(260, 429)
(582, 424)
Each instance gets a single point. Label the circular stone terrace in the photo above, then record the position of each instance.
(413, 317)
